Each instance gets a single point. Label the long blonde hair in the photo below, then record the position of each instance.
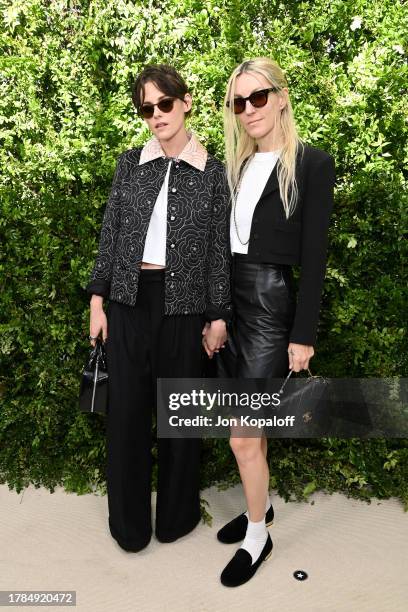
(239, 145)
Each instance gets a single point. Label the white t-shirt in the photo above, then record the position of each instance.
(155, 244)
(253, 183)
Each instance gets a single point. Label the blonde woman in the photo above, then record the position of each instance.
(282, 199)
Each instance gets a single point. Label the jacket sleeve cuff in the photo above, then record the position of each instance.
(98, 287)
(301, 337)
(213, 313)
(306, 321)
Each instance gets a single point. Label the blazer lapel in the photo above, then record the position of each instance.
(271, 184)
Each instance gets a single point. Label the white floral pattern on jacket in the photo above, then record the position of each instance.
(197, 275)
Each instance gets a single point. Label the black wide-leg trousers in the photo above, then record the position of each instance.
(144, 344)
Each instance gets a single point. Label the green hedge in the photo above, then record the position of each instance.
(66, 113)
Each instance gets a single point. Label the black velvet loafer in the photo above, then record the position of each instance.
(239, 570)
(235, 530)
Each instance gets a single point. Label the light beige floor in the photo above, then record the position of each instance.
(356, 556)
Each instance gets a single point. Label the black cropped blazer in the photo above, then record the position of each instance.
(300, 240)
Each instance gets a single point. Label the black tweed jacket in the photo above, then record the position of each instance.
(197, 275)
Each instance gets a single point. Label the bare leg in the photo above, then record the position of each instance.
(264, 445)
(253, 468)
(250, 454)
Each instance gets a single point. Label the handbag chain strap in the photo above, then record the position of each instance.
(287, 378)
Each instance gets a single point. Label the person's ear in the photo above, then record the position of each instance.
(283, 98)
(188, 102)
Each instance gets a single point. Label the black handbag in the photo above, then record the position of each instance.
(93, 394)
(308, 400)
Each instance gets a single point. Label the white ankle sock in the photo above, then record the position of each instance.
(255, 538)
(267, 506)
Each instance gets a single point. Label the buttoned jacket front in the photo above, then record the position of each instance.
(197, 273)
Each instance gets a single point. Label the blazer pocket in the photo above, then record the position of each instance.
(285, 238)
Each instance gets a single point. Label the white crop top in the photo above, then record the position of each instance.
(155, 244)
(252, 185)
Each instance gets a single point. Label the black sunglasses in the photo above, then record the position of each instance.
(147, 110)
(257, 99)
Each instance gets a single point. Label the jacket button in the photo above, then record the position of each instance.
(255, 220)
(177, 165)
(173, 189)
(255, 235)
(172, 246)
(172, 217)
(171, 273)
(186, 312)
(173, 208)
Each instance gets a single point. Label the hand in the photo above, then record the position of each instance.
(299, 356)
(203, 342)
(98, 322)
(214, 337)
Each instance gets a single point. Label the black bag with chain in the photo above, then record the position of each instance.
(308, 400)
(93, 395)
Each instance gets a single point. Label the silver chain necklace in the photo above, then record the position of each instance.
(236, 225)
(233, 211)
(234, 214)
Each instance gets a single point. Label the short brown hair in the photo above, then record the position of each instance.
(165, 77)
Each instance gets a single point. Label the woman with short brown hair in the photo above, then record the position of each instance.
(164, 264)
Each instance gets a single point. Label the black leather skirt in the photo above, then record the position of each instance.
(264, 300)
